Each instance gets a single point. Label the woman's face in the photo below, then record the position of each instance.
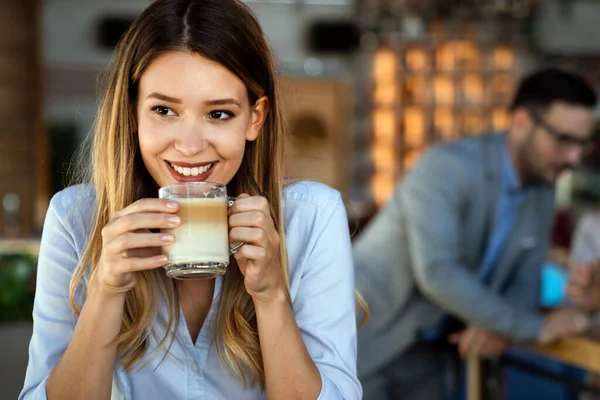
(194, 119)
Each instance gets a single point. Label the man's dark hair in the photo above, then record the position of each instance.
(542, 88)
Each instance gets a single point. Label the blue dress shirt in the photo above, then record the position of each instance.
(321, 285)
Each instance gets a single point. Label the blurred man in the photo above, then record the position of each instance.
(455, 256)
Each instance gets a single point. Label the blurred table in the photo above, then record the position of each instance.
(485, 379)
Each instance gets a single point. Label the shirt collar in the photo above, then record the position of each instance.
(511, 179)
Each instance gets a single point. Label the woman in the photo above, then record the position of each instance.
(193, 83)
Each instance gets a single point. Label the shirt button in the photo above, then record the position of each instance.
(195, 367)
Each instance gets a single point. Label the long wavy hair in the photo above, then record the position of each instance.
(226, 32)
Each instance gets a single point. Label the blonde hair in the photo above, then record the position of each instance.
(227, 32)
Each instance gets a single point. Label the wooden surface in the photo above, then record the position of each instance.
(318, 144)
(580, 351)
(20, 111)
(583, 352)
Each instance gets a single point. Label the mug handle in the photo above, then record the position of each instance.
(233, 247)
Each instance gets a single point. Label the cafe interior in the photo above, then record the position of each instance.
(367, 86)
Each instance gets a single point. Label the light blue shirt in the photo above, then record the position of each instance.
(321, 286)
(512, 194)
(511, 197)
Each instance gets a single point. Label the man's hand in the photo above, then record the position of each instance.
(584, 286)
(478, 342)
(563, 322)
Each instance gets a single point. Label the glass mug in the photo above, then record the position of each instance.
(201, 248)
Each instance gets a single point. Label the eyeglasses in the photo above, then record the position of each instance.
(562, 138)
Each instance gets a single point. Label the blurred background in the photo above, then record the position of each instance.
(367, 85)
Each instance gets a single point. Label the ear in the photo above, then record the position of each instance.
(260, 110)
(521, 121)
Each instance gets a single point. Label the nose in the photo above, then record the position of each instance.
(190, 140)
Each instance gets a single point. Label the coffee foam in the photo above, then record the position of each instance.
(203, 236)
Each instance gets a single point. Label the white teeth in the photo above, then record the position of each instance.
(191, 171)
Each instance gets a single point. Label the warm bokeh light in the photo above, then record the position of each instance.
(416, 90)
(504, 58)
(444, 90)
(385, 125)
(416, 59)
(384, 73)
(439, 90)
(414, 128)
(473, 123)
(444, 123)
(500, 119)
(410, 158)
(473, 89)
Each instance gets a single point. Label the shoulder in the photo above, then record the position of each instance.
(308, 208)
(463, 153)
(70, 199)
(310, 195)
(73, 208)
(316, 230)
(456, 162)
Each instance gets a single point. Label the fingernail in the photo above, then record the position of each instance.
(160, 259)
(172, 204)
(166, 238)
(173, 220)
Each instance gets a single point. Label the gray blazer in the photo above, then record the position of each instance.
(419, 257)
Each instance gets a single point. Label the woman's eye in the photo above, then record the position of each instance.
(163, 111)
(221, 115)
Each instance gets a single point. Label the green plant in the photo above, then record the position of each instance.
(17, 286)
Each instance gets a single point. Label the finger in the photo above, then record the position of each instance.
(499, 348)
(253, 236)
(477, 347)
(255, 218)
(576, 278)
(575, 291)
(251, 203)
(141, 264)
(581, 275)
(465, 343)
(581, 323)
(144, 252)
(250, 252)
(135, 221)
(149, 205)
(129, 241)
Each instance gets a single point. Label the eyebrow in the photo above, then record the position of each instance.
(164, 97)
(215, 102)
(223, 102)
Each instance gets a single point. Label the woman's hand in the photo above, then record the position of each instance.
(128, 246)
(258, 259)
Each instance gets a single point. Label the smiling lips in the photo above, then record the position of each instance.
(191, 171)
(186, 172)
